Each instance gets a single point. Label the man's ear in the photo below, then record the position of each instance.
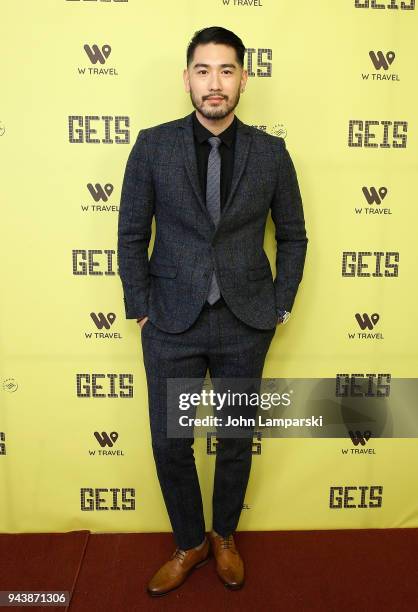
(186, 80)
(244, 78)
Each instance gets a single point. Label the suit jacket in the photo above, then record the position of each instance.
(171, 286)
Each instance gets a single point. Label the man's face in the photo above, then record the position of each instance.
(214, 80)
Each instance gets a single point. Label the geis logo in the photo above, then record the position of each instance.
(381, 61)
(2, 443)
(404, 5)
(258, 62)
(97, 55)
(367, 264)
(212, 443)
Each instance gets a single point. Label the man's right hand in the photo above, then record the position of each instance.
(141, 322)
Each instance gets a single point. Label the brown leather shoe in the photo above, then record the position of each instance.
(229, 563)
(175, 571)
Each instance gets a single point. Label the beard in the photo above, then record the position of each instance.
(215, 112)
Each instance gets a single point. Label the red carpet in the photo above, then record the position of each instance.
(288, 570)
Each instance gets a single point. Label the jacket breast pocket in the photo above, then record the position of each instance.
(162, 269)
(259, 272)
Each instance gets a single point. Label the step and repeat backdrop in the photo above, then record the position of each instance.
(81, 78)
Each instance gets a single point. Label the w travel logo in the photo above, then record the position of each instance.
(359, 440)
(373, 196)
(105, 439)
(97, 56)
(103, 322)
(381, 62)
(358, 437)
(100, 194)
(107, 442)
(366, 322)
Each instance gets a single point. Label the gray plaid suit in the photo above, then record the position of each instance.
(161, 179)
(185, 336)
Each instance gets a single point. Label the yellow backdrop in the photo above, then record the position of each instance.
(80, 79)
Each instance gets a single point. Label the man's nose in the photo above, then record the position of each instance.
(214, 83)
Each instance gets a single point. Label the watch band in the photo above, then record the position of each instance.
(283, 316)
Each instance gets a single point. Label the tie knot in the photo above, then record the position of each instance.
(214, 141)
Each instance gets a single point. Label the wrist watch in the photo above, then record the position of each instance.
(283, 316)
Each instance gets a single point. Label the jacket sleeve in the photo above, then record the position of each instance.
(291, 238)
(134, 228)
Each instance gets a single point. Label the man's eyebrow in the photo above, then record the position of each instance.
(208, 65)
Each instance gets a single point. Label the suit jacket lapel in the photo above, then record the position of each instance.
(242, 147)
(186, 126)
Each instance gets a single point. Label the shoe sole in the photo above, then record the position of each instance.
(200, 564)
(233, 587)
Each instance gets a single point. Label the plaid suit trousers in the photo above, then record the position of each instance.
(227, 347)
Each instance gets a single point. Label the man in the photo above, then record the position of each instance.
(206, 298)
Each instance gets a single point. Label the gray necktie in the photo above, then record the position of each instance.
(213, 202)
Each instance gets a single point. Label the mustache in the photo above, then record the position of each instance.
(215, 96)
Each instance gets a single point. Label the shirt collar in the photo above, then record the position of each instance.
(201, 133)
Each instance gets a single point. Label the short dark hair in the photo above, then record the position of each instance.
(219, 36)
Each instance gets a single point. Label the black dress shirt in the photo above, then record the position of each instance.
(226, 149)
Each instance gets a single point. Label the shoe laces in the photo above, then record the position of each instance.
(179, 554)
(226, 542)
